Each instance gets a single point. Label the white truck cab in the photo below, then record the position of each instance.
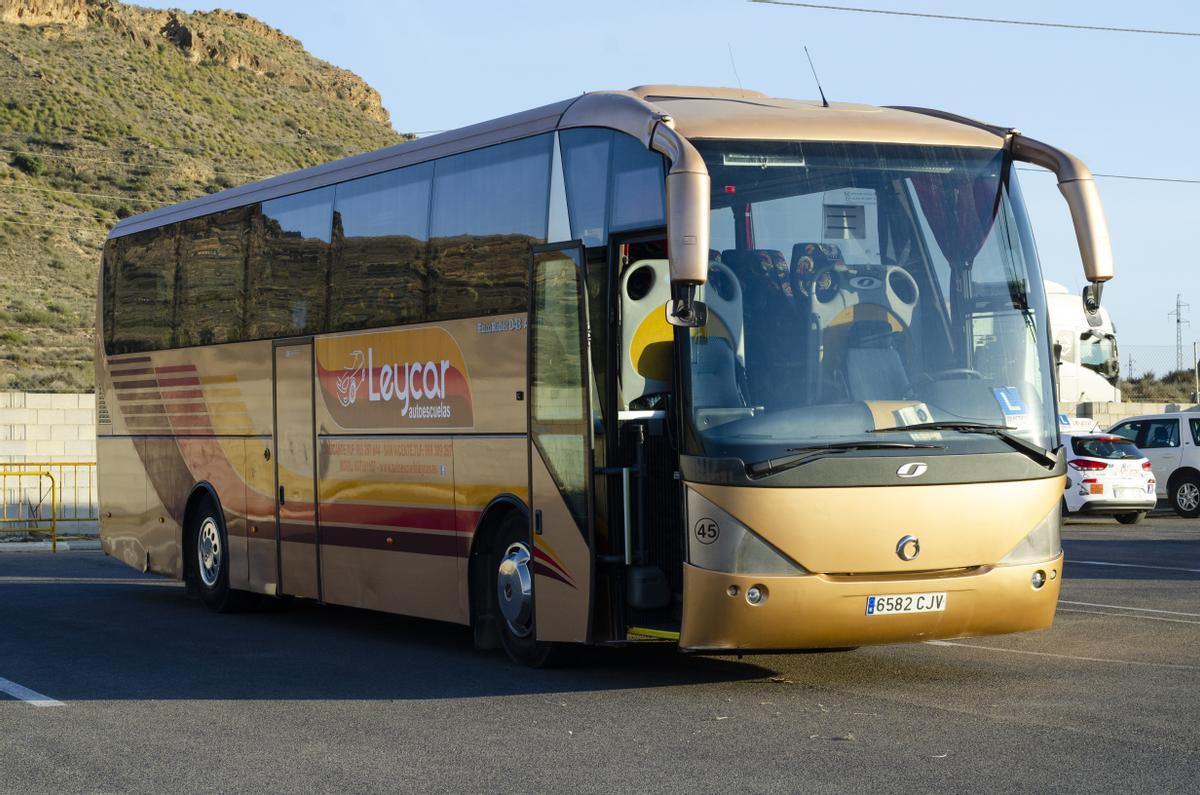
(1088, 364)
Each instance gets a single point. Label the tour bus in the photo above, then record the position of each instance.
(1085, 353)
(688, 364)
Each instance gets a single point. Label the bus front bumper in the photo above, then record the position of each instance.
(822, 611)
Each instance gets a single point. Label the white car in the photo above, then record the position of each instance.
(1172, 443)
(1107, 475)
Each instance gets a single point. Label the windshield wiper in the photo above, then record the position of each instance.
(804, 455)
(1039, 454)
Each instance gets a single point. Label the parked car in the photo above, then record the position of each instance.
(1172, 443)
(1107, 475)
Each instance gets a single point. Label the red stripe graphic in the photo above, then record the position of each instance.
(402, 541)
(189, 381)
(188, 408)
(389, 516)
(539, 567)
(183, 394)
(190, 421)
(548, 562)
(134, 411)
(135, 371)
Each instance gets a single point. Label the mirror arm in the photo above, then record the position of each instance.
(1078, 187)
(688, 199)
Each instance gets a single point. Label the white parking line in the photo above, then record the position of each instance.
(1132, 565)
(1175, 666)
(1127, 607)
(28, 696)
(1127, 615)
(17, 580)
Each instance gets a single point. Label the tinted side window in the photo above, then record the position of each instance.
(613, 183)
(381, 233)
(211, 300)
(289, 265)
(585, 154)
(1161, 433)
(1195, 426)
(638, 185)
(489, 206)
(108, 288)
(145, 288)
(1105, 448)
(1128, 430)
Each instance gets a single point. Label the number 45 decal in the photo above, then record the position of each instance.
(706, 531)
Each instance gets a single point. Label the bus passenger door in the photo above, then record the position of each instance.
(560, 444)
(295, 469)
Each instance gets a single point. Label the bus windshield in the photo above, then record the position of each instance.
(859, 287)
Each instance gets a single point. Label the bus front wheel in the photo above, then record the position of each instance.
(512, 589)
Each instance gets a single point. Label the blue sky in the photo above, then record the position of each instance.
(1125, 103)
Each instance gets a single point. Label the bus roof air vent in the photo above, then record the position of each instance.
(666, 91)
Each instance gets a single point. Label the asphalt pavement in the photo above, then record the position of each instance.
(115, 681)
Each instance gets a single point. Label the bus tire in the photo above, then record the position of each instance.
(1185, 495)
(1133, 517)
(511, 588)
(207, 552)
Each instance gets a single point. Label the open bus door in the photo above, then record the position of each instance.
(560, 444)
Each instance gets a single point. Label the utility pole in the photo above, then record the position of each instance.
(1179, 324)
(1129, 368)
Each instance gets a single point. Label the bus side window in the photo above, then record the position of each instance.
(210, 302)
(489, 206)
(380, 242)
(145, 284)
(289, 264)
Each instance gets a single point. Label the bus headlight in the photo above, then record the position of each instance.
(1043, 542)
(718, 542)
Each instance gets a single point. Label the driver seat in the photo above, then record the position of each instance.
(874, 371)
(875, 374)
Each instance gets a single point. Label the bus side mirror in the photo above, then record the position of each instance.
(1091, 303)
(687, 312)
(1077, 186)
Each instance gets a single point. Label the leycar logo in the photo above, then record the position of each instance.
(411, 378)
(347, 385)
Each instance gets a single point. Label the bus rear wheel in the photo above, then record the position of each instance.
(512, 588)
(207, 551)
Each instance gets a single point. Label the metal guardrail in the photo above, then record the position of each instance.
(29, 490)
(31, 523)
(75, 481)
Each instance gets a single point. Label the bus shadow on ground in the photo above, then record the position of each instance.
(1125, 559)
(128, 641)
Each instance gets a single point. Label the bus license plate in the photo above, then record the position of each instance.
(906, 603)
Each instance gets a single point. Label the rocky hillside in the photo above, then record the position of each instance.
(109, 109)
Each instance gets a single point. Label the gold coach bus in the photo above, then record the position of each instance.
(687, 363)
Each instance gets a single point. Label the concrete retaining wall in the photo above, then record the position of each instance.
(36, 426)
(1108, 414)
(44, 428)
